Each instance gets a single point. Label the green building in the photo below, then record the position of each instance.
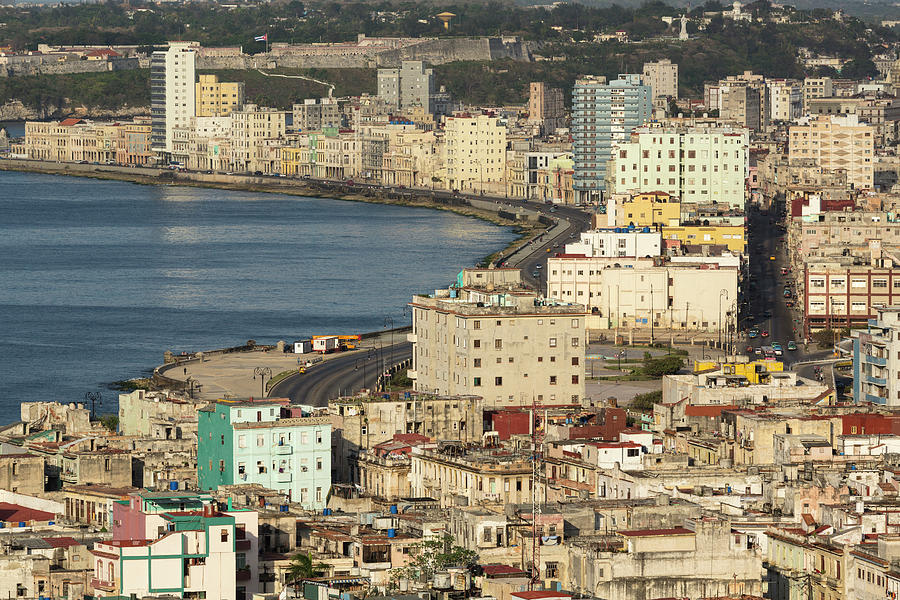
(259, 441)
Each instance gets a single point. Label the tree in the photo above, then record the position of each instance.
(303, 567)
(110, 421)
(433, 555)
(645, 402)
(859, 68)
(657, 367)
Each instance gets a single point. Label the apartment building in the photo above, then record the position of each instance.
(362, 424)
(618, 242)
(448, 471)
(602, 114)
(733, 237)
(840, 292)
(173, 99)
(642, 295)
(252, 128)
(650, 209)
(133, 145)
(217, 99)
(260, 442)
(741, 98)
(546, 107)
(699, 165)
(410, 84)
(475, 153)
(836, 142)
(662, 77)
(785, 99)
(843, 232)
(876, 358)
(180, 544)
(315, 114)
(505, 345)
(816, 87)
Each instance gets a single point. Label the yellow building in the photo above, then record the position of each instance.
(732, 236)
(649, 209)
(755, 372)
(218, 99)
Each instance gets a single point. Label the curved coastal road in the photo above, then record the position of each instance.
(338, 376)
(343, 374)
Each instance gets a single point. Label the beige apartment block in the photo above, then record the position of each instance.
(478, 475)
(816, 87)
(633, 294)
(836, 143)
(511, 348)
(217, 98)
(662, 77)
(475, 148)
(251, 128)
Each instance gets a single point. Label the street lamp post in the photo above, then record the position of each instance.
(263, 372)
(721, 293)
(93, 397)
(390, 321)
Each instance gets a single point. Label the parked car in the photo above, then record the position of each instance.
(792, 346)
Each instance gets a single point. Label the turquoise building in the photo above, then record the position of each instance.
(258, 441)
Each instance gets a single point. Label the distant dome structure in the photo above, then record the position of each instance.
(445, 18)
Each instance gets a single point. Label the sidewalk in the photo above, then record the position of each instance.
(232, 375)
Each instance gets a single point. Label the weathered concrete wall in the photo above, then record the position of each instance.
(69, 66)
(432, 51)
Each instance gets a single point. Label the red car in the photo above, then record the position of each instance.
(765, 334)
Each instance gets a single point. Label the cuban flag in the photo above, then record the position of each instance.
(261, 38)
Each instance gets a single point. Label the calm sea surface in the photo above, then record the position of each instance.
(98, 279)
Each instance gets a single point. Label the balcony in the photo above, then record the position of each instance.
(282, 449)
(242, 574)
(880, 381)
(874, 360)
(412, 338)
(106, 586)
(875, 399)
(283, 477)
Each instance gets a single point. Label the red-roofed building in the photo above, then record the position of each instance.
(540, 595)
(20, 516)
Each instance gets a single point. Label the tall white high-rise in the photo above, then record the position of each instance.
(172, 91)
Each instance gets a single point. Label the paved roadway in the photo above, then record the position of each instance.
(766, 292)
(339, 375)
(343, 375)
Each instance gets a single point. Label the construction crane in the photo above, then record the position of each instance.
(330, 86)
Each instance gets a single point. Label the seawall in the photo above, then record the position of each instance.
(500, 211)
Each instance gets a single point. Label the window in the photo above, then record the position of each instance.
(476, 343)
(242, 441)
(498, 344)
(553, 342)
(476, 381)
(319, 463)
(476, 324)
(476, 362)
(318, 436)
(575, 379)
(552, 570)
(879, 283)
(575, 342)
(260, 441)
(574, 361)
(553, 380)
(498, 381)
(318, 494)
(223, 534)
(633, 451)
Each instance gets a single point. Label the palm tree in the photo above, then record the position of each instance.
(303, 567)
